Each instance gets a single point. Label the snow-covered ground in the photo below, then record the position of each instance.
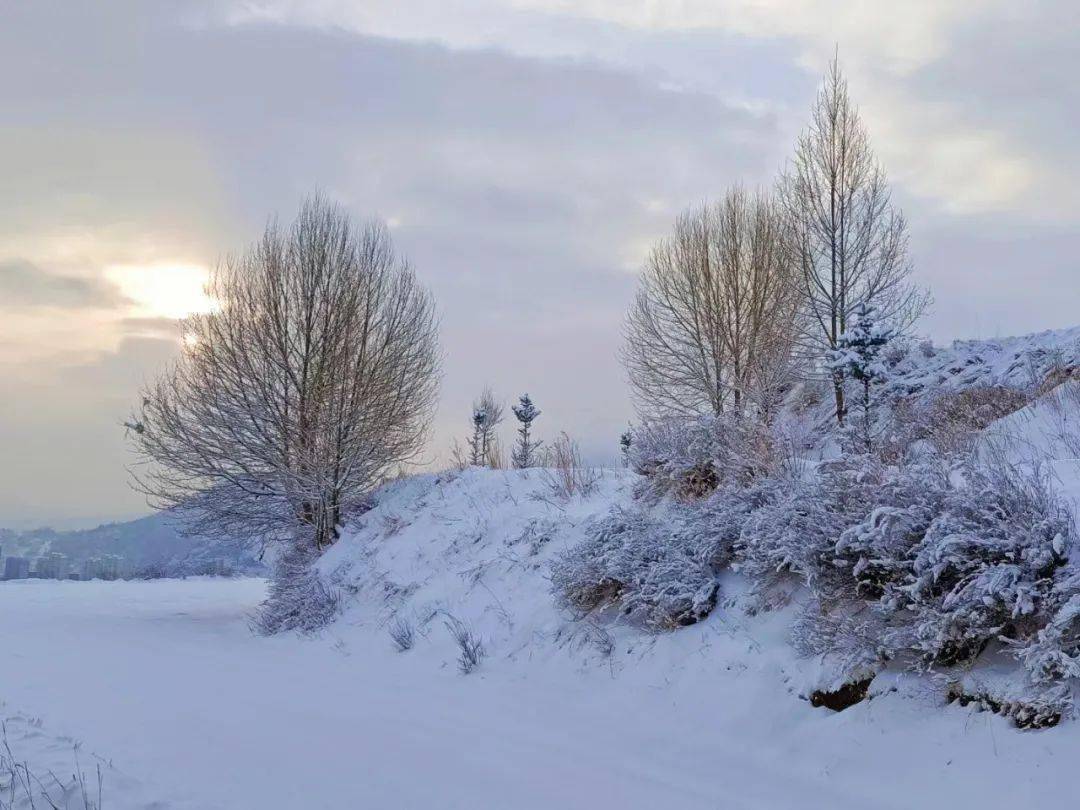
(163, 683)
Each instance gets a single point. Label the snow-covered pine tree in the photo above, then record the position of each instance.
(858, 355)
(625, 439)
(524, 454)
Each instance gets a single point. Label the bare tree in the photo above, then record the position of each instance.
(316, 375)
(712, 326)
(847, 240)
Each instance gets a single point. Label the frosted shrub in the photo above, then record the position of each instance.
(987, 564)
(796, 533)
(877, 551)
(1041, 709)
(653, 570)
(592, 573)
(690, 458)
(945, 566)
(297, 598)
(1053, 653)
(853, 639)
(713, 527)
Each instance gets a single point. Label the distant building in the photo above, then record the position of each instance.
(110, 566)
(52, 566)
(16, 568)
(105, 567)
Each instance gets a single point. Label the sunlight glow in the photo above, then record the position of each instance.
(164, 290)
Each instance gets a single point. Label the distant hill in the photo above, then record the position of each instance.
(148, 546)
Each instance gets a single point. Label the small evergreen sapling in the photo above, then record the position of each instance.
(858, 355)
(487, 414)
(524, 454)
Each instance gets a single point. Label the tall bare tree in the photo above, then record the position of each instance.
(314, 377)
(711, 328)
(848, 241)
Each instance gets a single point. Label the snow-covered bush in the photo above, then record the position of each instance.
(1026, 708)
(850, 637)
(690, 458)
(877, 551)
(1053, 653)
(851, 569)
(987, 564)
(944, 563)
(796, 533)
(654, 570)
(297, 598)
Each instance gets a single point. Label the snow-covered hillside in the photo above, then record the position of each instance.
(474, 546)
(1020, 362)
(164, 682)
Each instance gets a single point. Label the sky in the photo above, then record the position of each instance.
(525, 154)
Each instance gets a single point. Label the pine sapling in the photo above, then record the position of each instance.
(524, 454)
(858, 355)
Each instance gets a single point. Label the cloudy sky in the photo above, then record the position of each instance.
(525, 154)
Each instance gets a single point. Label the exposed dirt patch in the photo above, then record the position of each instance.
(839, 699)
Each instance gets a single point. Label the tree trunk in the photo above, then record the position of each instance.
(838, 393)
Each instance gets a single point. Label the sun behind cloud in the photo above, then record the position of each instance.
(164, 290)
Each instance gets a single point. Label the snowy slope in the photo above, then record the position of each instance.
(164, 681)
(1017, 362)
(474, 546)
(1046, 432)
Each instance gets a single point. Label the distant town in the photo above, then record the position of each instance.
(55, 565)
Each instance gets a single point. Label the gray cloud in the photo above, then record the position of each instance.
(23, 284)
(524, 175)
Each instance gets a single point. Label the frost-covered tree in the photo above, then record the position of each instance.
(487, 415)
(313, 378)
(859, 356)
(525, 412)
(847, 241)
